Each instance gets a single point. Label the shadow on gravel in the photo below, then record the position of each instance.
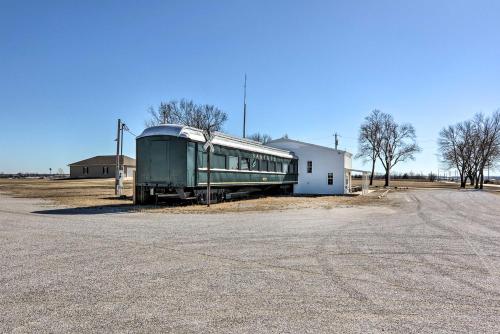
(92, 210)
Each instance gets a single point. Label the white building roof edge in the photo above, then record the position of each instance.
(309, 144)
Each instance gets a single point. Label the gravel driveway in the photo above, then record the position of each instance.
(428, 261)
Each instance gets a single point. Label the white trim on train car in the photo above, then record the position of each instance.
(203, 169)
(222, 139)
(256, 182)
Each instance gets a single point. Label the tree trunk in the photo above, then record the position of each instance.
(471, 179)
(462, 181)
(477, 182)
(373, 171)
(482, 180)
(387, 173)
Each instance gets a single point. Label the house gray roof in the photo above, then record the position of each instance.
(105, 160)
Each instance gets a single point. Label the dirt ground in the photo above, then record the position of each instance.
(425, 264)
(99, 194)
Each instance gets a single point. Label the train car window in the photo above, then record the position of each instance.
(232, 162)
(244, 164)
(272, 166)
(263, 165)
(218, 161)
(279, 167)
(255, 164)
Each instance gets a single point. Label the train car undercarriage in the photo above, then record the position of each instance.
(156, 194)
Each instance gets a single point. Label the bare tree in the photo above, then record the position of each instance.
(261, 138)
(370, 139)
(487, 143)
(167, 113)
(471, 146)
(398, 144)
(186, 112)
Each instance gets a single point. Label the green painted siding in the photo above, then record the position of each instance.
(162, 160)
(175, 162)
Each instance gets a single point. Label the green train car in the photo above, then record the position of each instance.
(171, 163)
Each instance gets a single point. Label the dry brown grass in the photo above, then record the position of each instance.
(410, 184)
(74, 193)
(99, 193)
(419, 184)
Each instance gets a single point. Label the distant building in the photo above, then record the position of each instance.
(101, 166)
(322, 170)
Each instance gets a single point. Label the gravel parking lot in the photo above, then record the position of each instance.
(423, 261)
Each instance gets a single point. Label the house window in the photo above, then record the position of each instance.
(105, 170)
(279, 167)
(309, 166)
(85, 170)
(232, 162)
(285, 167)
(330, 179)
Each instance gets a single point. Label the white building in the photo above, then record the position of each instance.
(322, 170)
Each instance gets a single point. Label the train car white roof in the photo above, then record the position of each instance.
(182, 131)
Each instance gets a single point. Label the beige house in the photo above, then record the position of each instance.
(101, 166)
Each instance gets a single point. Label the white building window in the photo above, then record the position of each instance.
(330, 179)
(309, 166)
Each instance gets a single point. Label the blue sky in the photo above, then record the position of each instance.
(69, 69)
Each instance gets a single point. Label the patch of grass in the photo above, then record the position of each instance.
(99, 193)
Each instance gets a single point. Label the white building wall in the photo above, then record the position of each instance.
(324, 160)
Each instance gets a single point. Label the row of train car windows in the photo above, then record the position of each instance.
(237, 163)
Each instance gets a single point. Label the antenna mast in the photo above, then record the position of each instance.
(245, 107)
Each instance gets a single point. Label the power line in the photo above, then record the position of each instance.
(128, 130)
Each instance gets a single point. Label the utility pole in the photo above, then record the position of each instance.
(336, 140)
(245, 107)
(117, 169)
(121, 141)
